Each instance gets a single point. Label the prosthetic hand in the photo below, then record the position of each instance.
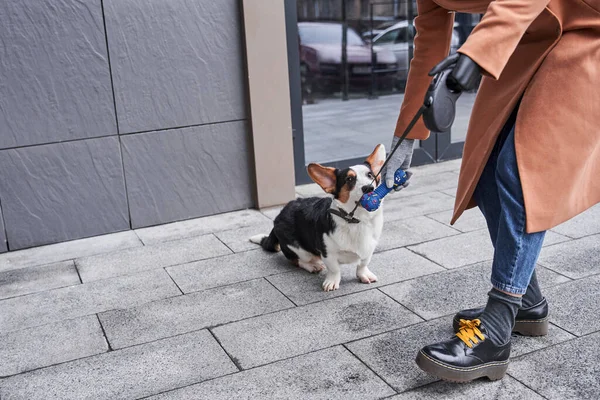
(455, 74)
(400, 160)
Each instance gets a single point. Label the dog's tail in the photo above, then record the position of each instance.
(269, 243)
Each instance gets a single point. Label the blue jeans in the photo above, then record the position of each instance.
(500, 198)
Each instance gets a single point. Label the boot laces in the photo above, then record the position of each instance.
(469, 332)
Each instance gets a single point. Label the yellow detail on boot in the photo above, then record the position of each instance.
(469, 332)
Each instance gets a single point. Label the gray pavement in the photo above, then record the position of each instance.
(338, 130)
(192, 310)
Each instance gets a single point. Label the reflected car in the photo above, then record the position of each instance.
(321, 59)
(369, 34)
(397, 38)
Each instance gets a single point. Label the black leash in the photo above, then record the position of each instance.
(349, 217)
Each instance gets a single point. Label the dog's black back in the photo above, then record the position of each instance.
(302, 223)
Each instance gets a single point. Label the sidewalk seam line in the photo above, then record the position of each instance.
(234, 360)
(173, 280)
(224, 244)
(77, 269)
(103, 333)
(266, 278)
(527, 386)
(403, 306)
(369, 368)
(428, 259)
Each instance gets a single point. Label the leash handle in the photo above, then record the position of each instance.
(441, 112)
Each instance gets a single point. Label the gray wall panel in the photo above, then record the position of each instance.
(54, 73)
(185, 173)
(176, 63)
(62, 191)
(3, 246)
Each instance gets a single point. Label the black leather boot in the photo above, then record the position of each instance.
(530, 321)
(469, 355)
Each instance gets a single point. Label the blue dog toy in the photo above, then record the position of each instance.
(372, 200)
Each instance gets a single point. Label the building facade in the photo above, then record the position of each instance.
(122, 114)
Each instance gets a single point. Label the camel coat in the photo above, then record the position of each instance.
(548, 53)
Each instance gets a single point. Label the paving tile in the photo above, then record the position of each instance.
(575, 259)
(138, 259)
(449, 292)
(293, 332)
(554, 238)
(37, 279)
(229, 269)
(402, 205)
(471, 220)
(524, 345)
(459, 250)
(68, 250)
(389, 267)
(191, 312)
(548, 278)
(574, 305)
(569, 370)
(431, 182)
(506, 389)
(126, 374)
(76, 301)
(238, 240)
(200, 226)
(50, 344)
(584, 224)
(271, 212)
(434, 169)
(392, 355)
(411, 231)
(449, 192)
(327, 374)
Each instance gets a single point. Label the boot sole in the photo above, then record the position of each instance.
(492, 370)
(534, 327)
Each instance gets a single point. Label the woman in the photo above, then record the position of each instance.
(531, 157)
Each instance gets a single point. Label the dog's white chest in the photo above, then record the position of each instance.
(347, 257)
(354, 242)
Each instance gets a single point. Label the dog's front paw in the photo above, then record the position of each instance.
(312, 267)
(366, 276)
(332, 282)
(318, 267)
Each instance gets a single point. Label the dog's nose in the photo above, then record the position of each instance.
(367, 188)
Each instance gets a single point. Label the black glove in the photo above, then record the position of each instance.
(465, 72)
(455, 74)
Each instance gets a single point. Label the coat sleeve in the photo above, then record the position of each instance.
(497, 35)
(432, 43)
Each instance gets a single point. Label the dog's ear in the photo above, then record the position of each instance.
(323, 176)
(376, 159)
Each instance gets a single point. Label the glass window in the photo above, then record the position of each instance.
(314, 33)
(404, 36)
(388, 38)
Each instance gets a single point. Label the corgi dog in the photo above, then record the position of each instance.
(315, 233)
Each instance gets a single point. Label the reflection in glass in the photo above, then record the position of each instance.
(336, 130)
